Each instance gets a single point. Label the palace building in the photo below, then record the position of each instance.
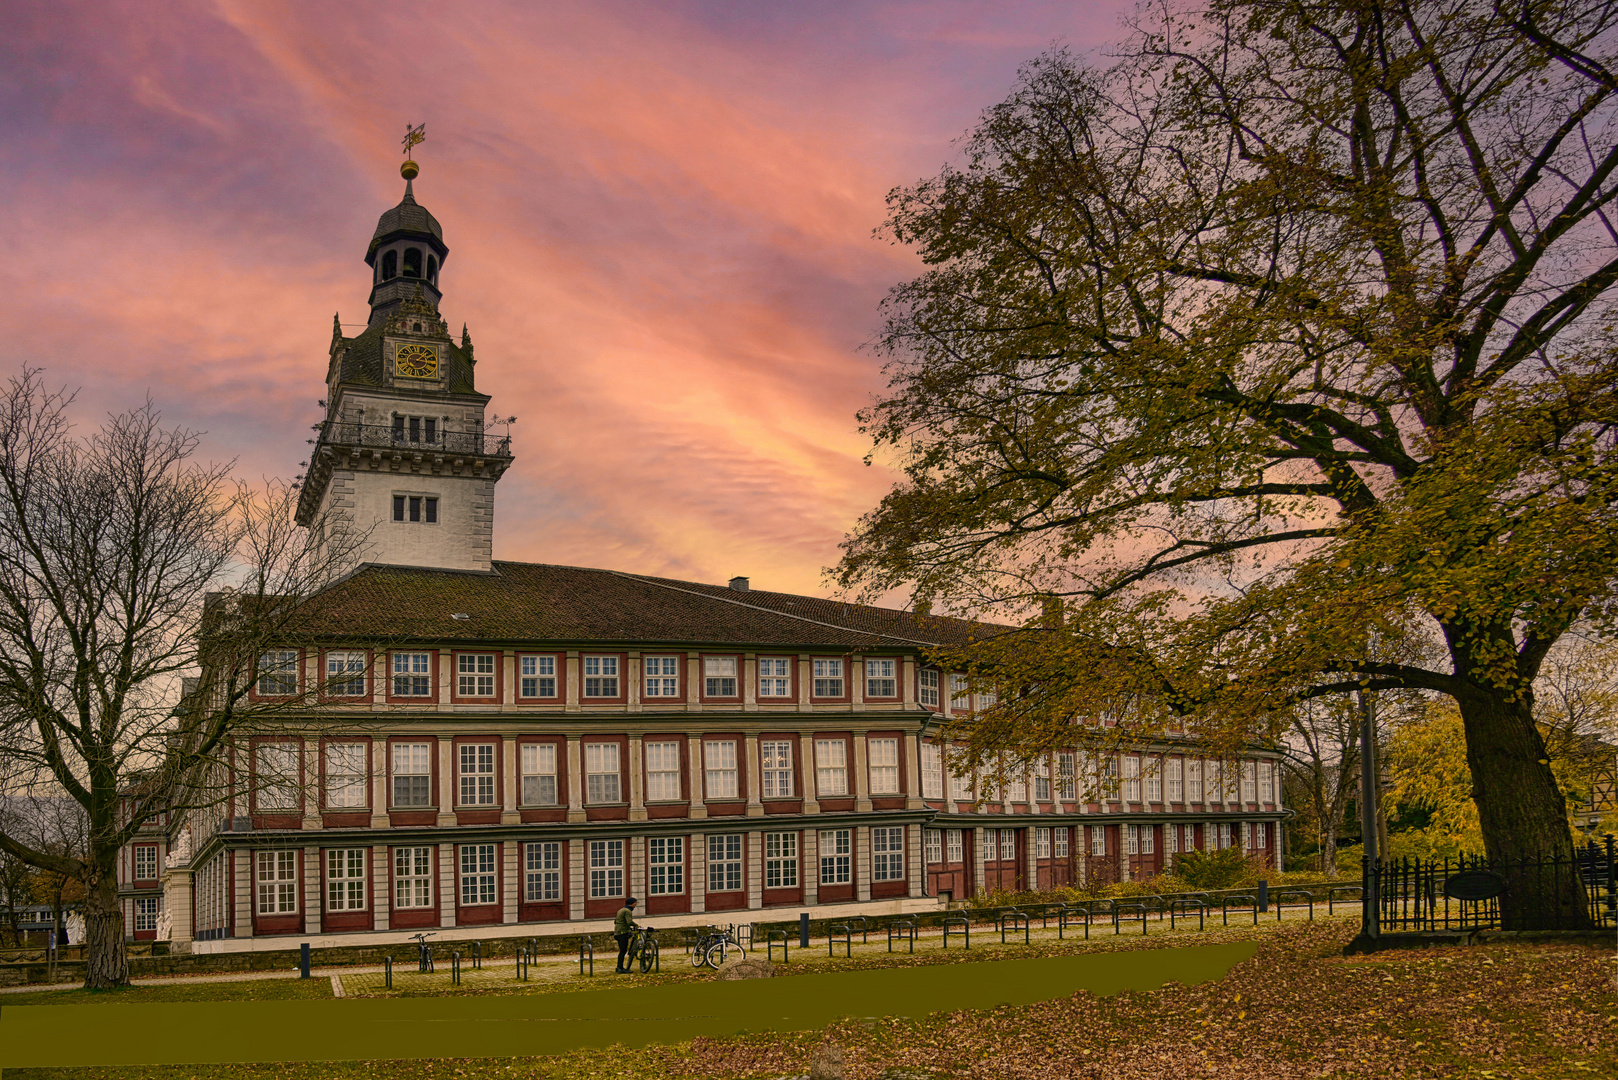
(533, 743)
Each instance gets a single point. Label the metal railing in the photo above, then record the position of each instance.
(419, 440)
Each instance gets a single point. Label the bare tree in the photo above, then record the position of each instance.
(110, 546)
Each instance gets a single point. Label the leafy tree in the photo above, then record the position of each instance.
(110, 544)
(1285, 336)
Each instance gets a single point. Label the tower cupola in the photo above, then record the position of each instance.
(407, 251)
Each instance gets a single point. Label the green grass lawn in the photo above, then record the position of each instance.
(247, 990)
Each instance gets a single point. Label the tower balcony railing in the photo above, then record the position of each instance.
(433, 440)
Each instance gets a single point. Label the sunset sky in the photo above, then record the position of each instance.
(659, 218)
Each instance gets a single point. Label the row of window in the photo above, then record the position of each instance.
(946, 845)
(347, 874)
(1126, 777)
(346, 776)
(412, 674)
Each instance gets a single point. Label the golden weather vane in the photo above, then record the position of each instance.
(413, 135)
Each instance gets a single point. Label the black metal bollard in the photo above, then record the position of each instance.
(803, 926)
(455, 968)
(1264, 896)
(477, 956)
(387, 972)
(303, 960)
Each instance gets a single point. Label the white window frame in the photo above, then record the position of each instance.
(1059, 842)
(831, 768)
(932, 771)
(775, 762)
(147, 910)
(413, 877)
(277, 673)
(411, 761)
(775, 674)
(1067, 782)
(542, 872)
(1266, 782)
(1098, 840)
(663, 770)
(1153, 776)
(836, 856)
(1176, 779)
(1171, 840)
(347, 875)
(1042, 779)
(275, 877)
(721, 677)
(348, 775)
(781, 860)
(145, 853)
(830, 678)
(881, 677)
(1249, 792)
(479, 874)
(1131, 778)
(1190, 837)
(345, 673)
(660, 677)
(960, 784)
(1131, 839)
(536, 765)
(927, 688)
(954, 846)
(933, 846)
(720, 772)
(1008, 845)
(1042, 842)
(725, 852)
(475, 674)
(278, 777)
(602, 677)
(412, 675)
(1193, 780)
(1017, 782)
(665, 866)
(606, 868)
(887, 853)
(537, 678)
(475, 774)
(960, 697)
(1148, 840)
(603, 774)
(883, 765)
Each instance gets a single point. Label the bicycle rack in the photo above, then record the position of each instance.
(831, 940)
(864, 928)
(587, 954)
(424, 961)
(477, 956)
(1067, 911)
(906, 928)
(1305, 893)
(522, 962)
(1014, 916)
(1247, 901)
(770, 940)
(1117, 916)
(387, 972)
(455, 968)
(1184, 908)
(963, 922)
(1331, 895)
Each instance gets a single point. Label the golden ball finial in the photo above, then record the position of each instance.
(409, 170)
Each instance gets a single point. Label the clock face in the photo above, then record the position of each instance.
(415, 361)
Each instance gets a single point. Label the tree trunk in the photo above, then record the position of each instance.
(106, 962)
(1522, 814)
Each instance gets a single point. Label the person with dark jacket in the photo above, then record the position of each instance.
(623, 928)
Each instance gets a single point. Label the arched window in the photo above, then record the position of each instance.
(432, 269)
(390, 265)
(412, 262)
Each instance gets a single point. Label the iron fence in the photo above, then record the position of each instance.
(430, 439)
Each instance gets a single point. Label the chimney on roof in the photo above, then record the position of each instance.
(739, 584)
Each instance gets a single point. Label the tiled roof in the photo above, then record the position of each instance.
(362, 363)
(534, 602)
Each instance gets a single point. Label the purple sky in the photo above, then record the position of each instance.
(659, 216)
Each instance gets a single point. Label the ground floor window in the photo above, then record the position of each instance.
(665, 865)
(1008, 845)
(1042, 843)
(933, 841)
(1190, 838)
(836, 856)
(888, 853)
(1098, 840)
(1059, 843)
(146, 910)
(412, 877)
(478, 875)
(781, 860)
(542, 872)
(1171, 839)
(953, 845)
(725, 863)
(345, 879)
(606, 868)
(277, 882)
(1131, 839)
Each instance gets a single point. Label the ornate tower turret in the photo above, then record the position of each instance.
(402, 454)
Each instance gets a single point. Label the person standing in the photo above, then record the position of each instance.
(623, 928)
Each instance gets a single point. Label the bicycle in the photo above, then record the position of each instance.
(643, 945)
(714, 946)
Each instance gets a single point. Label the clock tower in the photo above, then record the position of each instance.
(402, 457)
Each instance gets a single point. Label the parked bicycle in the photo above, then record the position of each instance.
(643, 945)
(714, 946)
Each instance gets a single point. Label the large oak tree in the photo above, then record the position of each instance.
(1264, 360)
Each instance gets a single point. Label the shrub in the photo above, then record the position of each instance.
(1224, 869)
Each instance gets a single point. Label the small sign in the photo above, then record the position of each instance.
(1475, 885)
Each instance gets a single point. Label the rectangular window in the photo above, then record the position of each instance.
(1067, 786)
(278, 776)
(1190, 838)
(1132, 779)
(882, 678)
(412, 674)
(933, 843)
(146, 863)
(1257, 834)
(1176, 778)
(725, 863)
(1171, 839)
(346, 775)
(662, 677)
(888, 853)
(1249, 781)
(147, 909)
(1098, 840)
(662, 771)
(719, 767)
(987, 699)
(776, 759)
(927, 688)
(601, 773)
(665, 865)
(413, 877)
(1131, 839)
(831, 767)
(542, 872)
(277, 882)
(1017, 783)
(416, 508)
(1266, 782)
(952, 845)
(932, 771)
(1227, 835)
(345, 878)
(478, 875)
(412, 774)
(780, 860)
(774, 677)
(278, 673)
(960, 698)
(960, 784)
(600, 676)
(606, 868)
(836, 856)
(1193, 780)
(536, 676)
(719, 677)
(1059, 844)
(1042, 779)
(828, 678)
(1042, 843)
(477, 774)
(474, 675)
(1154, 779)
(345, 674)
(884, 764)
(538, 762)
(1008, 845)
(1148, 839)
(1214, 789)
